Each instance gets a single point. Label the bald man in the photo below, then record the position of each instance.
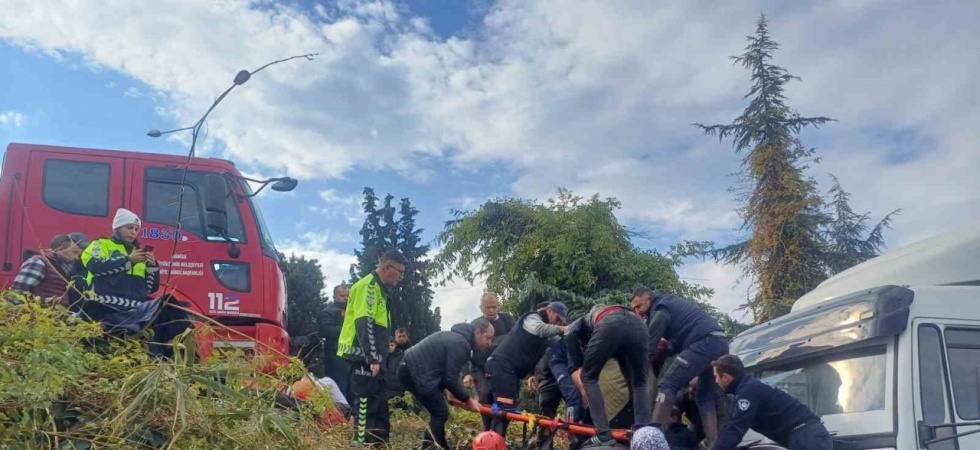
(475, 373)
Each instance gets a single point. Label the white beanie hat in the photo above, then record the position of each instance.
(124, 217)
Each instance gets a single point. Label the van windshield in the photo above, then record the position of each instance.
(842, 383)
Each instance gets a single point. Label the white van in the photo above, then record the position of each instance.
(887, 352)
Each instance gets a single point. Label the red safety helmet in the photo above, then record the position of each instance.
(489, 440)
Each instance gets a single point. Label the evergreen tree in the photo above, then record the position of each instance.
(845, 235)
(782, 211)
(411, 301)
(304, 294)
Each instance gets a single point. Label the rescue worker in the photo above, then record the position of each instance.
(475, 373)
(433, 366)
(331, 320)
(517, 355)
(363, 342)
(767, 410)
(49, 274)
(122, 277)
(697, 340)
(609, 332)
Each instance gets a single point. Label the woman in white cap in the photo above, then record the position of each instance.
(122, 276)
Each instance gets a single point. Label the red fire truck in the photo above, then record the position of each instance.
(225, 263)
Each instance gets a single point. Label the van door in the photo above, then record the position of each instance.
(68, 192)
(947, 384)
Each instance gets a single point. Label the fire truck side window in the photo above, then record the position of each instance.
(161, 206)
(77, 187)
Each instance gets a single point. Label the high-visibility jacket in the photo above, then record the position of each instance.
(118, 283)
(364, 336)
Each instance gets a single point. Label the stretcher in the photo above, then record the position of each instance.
(538, 421)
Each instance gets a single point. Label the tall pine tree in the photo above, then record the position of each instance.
(847, 243)
(411, 301)
(782, 211)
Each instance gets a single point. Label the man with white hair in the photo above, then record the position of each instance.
(475, 373)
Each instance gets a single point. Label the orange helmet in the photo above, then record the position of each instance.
(489, 440)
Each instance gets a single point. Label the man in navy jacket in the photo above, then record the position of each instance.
(767, 410)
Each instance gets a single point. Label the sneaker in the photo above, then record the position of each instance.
(596, 441)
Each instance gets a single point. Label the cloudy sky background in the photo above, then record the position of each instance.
(451, 103)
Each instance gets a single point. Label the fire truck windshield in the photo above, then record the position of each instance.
(163, 187)
(267, 243)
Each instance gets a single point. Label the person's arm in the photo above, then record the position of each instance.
(534, 325)
(152, 279)
(738, 424)
(364, 303)
(574, 335)
(101, 265)
(657, 326)
(30, 276)
(455, 360)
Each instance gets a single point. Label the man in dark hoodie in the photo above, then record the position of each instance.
(434, 365)
(331, 320)
(397, 347)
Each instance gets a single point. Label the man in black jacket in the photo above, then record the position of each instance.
(434, 365)
(767, 410)
(331, 320)
(475, 373)
(396, 351)
(696, 338)
(609, 332)
(517, 355)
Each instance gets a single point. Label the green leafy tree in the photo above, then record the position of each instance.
(304, 294)
(411, 306)
(568, 247)
(781, 209)
(850, 243)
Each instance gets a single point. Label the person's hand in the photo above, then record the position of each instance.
(577, 380)
(469, 381)
(137, 256)
(562, 328)
(151, 259)
(473, 405)
(532, 384)
(375, 369)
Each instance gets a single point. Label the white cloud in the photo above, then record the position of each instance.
(12, 119)
(335, 265)
(730, 292)
(597, 97)
(458, 301)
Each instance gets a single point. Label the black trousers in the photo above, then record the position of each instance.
(621, 335)
(505, 386)
(438, 408)
(370, 406)
(811, 436)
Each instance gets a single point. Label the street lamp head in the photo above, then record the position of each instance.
(242, 77)
(154, 133)
(286, 184)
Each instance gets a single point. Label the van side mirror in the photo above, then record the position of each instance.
(215, 204)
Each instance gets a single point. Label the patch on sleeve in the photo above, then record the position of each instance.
(744, 404)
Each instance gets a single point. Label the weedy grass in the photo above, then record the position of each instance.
(67, 384)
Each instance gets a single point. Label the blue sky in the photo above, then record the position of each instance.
(451, 103)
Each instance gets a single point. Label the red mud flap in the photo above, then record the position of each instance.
(547, 422)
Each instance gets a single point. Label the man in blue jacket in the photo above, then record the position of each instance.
(696, 338)
(767, 410)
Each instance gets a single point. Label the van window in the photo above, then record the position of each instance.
(932, 383)
(161, 206)
(844, 383)
(963, 347)
(77, 187)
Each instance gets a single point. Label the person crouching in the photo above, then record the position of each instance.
(434, 365)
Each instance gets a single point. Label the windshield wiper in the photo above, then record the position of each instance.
(927, 433)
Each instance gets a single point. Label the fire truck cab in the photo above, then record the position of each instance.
(225, 263)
